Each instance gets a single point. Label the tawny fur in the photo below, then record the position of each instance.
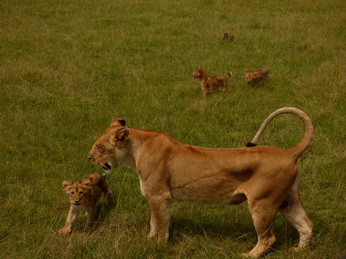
(209, 83)
(85, 195)
(265, 176)
(258, 77)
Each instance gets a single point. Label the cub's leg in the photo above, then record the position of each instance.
(107, 194)
(293, 211)
(263, 214)
(159, 221)
(71, 216)
(91, 216)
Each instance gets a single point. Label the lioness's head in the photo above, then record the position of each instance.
(76, 191)
(109, 148)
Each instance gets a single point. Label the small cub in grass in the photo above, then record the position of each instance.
(211, 82)
(85, 195)
(257, 77)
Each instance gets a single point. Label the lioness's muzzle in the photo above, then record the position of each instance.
(106, 166)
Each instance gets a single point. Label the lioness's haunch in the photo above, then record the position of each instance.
(265, 176)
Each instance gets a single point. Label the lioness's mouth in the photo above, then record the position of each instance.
(106, 166)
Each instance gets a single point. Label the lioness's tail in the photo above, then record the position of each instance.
(303, 144)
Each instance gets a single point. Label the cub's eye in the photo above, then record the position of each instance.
(80, 192)
(72, 192)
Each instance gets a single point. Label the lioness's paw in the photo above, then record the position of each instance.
(151, 236)
(247, 255)
(297, 249)
(64, 231)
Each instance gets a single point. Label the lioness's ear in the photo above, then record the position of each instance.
(120, 137)
(66, 183)
(118, 122)
(86, 182)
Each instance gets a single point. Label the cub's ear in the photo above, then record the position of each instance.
(120, 137)
(91, 179)
(66, 183)
(86, 182)
(118, 122)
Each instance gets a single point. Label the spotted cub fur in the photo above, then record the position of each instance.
(85, 195)
(209, 83)
(256, 77)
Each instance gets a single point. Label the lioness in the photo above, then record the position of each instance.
(85, 195)
(267, 177)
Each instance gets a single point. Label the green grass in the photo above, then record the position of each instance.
(69, 67)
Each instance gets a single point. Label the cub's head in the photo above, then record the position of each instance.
(198, 73)
(249, 76)
(77, 191)
(258, 76)
(109, 148)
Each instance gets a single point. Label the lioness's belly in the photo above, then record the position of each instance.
(208, 185)
(208, 195)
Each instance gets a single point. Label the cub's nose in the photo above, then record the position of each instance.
(89, 157)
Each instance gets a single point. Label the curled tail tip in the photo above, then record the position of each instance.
(251, 144)
(230, 73)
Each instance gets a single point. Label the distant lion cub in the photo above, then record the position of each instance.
(85, 195)
(211, 82)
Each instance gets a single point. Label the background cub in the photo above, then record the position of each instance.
(256, 77)
(211, 82)
(85, 195)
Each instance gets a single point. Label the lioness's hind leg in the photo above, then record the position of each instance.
(295, 214)
(263, 214)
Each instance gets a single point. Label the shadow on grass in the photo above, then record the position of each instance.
(103, 210)
(239, 231)
(184, 226)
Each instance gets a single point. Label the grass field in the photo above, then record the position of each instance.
(69, 67)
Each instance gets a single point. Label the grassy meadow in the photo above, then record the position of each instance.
(68, 67)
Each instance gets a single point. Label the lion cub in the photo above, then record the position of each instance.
(256, 77)
(85, 195)
(211, 82)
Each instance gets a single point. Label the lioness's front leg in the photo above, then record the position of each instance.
(159, 221)
(153, 231)
(71, 216)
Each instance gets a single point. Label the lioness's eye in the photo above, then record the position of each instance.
(100, 147)
(80, 192)
(72, 192)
